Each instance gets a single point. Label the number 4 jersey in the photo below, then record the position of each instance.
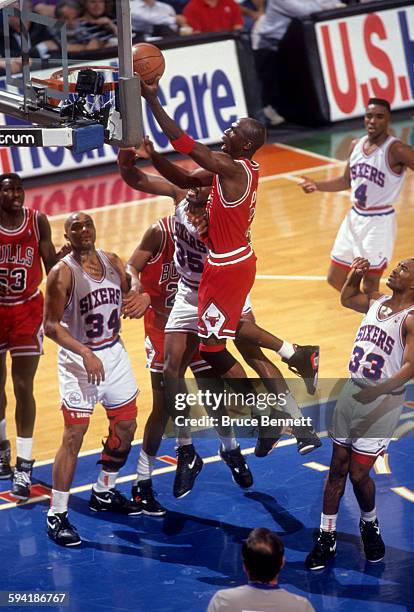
(93, 311)
(374, 185)
(20, 265)
(379, 344)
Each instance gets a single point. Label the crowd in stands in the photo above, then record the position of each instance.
(91, 27)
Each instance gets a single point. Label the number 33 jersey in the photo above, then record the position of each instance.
(93, 311)
(20, 266)
(373, 183)
(379, 343)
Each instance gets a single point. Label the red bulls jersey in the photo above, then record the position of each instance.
(20, 263)
(159, 277)
(229, 222)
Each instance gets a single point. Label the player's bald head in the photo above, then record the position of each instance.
(76, 216)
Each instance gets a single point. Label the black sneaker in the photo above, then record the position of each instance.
(374, 547)
(240, 471)
(189, 465)
(267, 440)
(113, 501)
(323, 551)
(5, 469)
(307, 439)
(305, 363)
(143, 494)
(22, 476)
(61, 531)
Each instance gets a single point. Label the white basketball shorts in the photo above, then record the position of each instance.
(184, 314)
(369, 236)
(366, 428)
(118, 388)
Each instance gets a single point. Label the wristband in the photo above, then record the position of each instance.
(183, 144)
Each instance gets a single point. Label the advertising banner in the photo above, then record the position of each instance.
(367, 55)
(201, 92)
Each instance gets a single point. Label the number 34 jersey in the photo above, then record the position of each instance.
(20, 266)
(93, 311)
(379, 343)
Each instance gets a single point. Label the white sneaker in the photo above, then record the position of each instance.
(272, 116)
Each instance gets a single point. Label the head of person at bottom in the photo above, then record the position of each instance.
(401, 279)
(263, 555)
(243, 138)
(80, 232)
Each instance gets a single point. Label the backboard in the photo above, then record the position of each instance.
(120, 123)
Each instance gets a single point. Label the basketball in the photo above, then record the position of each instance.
(148, 61)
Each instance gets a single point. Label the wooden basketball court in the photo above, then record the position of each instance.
(292, 235)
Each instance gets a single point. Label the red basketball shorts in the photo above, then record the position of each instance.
(21, 330)
(221, 296)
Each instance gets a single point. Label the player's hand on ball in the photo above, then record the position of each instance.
(135, 304)
(94, 368)
(149, 90)
(308, 185)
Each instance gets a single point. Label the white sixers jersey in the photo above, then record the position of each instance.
(378, 348)
(373, 183)
(93, 311)
(190, 252)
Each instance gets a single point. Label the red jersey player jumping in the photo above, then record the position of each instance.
(230, 268)
(25, 241)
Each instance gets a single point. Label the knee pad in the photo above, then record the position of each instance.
(111, 457)
(218, 357)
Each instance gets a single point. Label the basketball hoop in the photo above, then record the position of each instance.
(55, 81)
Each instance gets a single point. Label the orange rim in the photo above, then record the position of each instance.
(55, 81)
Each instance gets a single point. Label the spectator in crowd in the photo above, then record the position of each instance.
(263, 557)
(213, 15)
(155, 18)
(96, 29)
(267, 34)
(41, 40)
(251, 11)
(45, 7)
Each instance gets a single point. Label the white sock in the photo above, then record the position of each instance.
(145, 466)
(328, 522)
(292, 407)
(106, 481)
(24, 448)
(369, 517)
(58, 502)
(3, 430)
(184, 441)
(228, 443)
(286, 350)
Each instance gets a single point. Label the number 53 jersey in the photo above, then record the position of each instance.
(93, 311)
(20, 266)
(379, 344)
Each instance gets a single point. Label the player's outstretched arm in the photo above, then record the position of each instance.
(351, 294)
(215, 162)
(184, 179)
(134, 306)
(58, 288)
(402, 376)
(143, 181)
(341, 183)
